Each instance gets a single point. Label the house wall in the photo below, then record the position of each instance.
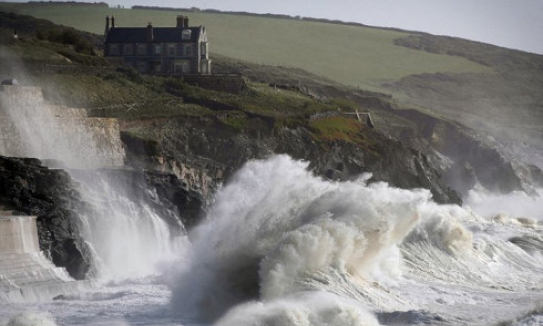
(148, 61)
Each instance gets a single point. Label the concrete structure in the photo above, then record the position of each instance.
(176, 50)
(18, 234)
(30, 127)
(25, 273)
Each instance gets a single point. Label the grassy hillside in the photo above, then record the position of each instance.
(352, 55)
(493, 90)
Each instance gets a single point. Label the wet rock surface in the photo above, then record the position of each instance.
(51, 194)
(208, 145)
(29, 187)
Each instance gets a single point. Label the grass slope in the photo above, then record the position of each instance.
(352, 55)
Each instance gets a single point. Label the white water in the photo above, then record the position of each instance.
(282, 247)
(128, 237)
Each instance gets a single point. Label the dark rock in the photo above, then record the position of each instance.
(163, 192)
(210, 146)
(33, 189)
(53, 196)
(461, 177)
(461, 144)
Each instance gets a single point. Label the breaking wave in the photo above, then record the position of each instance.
(283, 246)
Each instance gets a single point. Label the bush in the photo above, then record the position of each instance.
(68, 36)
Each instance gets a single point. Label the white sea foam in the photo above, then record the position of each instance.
(277, 228)
(31, 319)
(515, 204)
(307, 309)
(128, 238)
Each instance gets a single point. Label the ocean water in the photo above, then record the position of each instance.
(280, 246)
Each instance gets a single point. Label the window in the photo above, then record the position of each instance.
(142, 66)
(203, 49)
(128, 49)
(187, 49)
(157, 67)
(158, 49)
(185, 35)
(114, 49)
(181, 67)
(171, 49)
(142, 49)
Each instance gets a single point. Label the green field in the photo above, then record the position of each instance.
(352, 55)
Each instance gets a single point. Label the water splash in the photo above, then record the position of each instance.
(276, 225)
(128, 237)
(277, 235)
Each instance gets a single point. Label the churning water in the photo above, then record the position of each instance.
(128, 238)
(280, 246)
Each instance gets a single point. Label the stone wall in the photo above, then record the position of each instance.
(30, 127)
(18, 234)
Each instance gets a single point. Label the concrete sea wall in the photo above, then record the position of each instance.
(25, 273)
(30, 127)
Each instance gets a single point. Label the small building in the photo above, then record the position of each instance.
(176, 50)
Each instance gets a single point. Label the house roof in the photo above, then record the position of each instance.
(160, 35)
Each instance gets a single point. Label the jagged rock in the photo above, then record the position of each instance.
(163, 192)
(53, 196)
(33, 189)
(208, 145)
(461, 177)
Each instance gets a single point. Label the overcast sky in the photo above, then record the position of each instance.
(514, 24)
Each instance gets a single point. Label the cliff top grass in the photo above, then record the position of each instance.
(352, 55)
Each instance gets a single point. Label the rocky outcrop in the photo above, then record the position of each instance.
(167, 195)
(473, 158)
(52, 195)
(33, 189)
(217, 150)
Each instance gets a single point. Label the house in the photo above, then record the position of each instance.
(176, 50)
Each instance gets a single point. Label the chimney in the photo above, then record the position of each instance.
(149, 37)
(180, 21)
(107, 23)
(112, 21)
(107, 28)
(186, 22)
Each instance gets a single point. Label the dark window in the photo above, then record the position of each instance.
(142, 66)
(171, 49)
(157, 67)
(142, 49)
(114, 49)
(187, 49)
(128, 49)
(182, 67)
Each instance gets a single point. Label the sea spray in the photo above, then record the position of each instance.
(128, 237)
(31, 319)
(275, 225)
(277, 235)
(515, 204)
(307, 309)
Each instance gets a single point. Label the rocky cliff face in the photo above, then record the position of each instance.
(52, 195)
(217, 150)
(466, 157)
(33, 189)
